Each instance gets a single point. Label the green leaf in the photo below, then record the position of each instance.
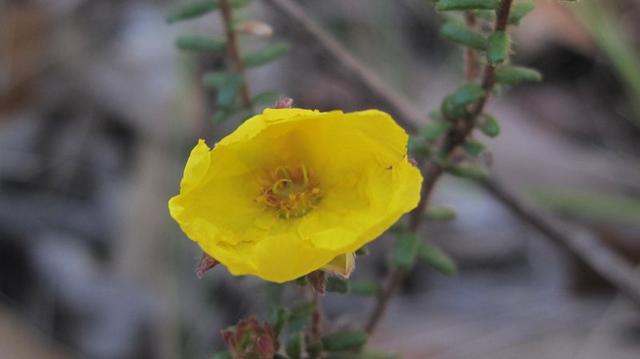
(498, 48)
(489, 125)
(344, 340)
(405, 251)
(417, 147)
(362, 251)
(473, 147)
(196, 8)
(460, 34)
(221, 355)
(435, 129)
(299, 316)
(519, 11)
(293, 347)
(454, 106)
(440, 213)
(448, 5)
(266, 54)
(469, 171)
(199, 43)
(365, 288)
(228, 89)
(279, 317)
(437, 259)
(337, 285)
(267, 98)
(514, 75)
(221, 115)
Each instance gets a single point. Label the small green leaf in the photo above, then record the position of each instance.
(489, 125)
(218, 80)
(440, 213)
(365, 288)
(337, 285)
(473, 147)
(344, 340)
(405, 251)
(228, 90)
(498, 48)
(448, 5)
(435, 129)
(279, 317)
(514, 75)
(470, 171)
(302, 281)
(267, 98)
(299, 316)
(362, 251)
(266, 54)
(460, 34)
(221, 355)
(199, 43)
(519, 11)
(293, 347)
(454, 106)
(437, 259)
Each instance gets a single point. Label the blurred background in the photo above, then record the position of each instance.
(99, 110)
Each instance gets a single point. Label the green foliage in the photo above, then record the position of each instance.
(519, 11)
(437, 259)
(473, 147)
(337, 285)
(498, 48)
(293, 347)
(514, 75)
(362, 251)
(460, 34)
(440, 214)
(448, 5)
(405, 251)
(199, 43)
(228, 85)
(454, 106)
(489, 125)
(344, 340)
(299, 316)
(469, 171)
(266, 54)
(279, 318)
(365, 288)
(435, 129)
(221, 355)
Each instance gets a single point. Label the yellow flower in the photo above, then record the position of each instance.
(292, 189)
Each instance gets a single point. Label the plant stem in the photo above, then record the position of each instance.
(432, 171)
(315, 329)
(234, 52)
(471, 55)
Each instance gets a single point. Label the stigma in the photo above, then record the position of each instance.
(290, 191)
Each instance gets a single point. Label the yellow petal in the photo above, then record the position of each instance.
(342, 265)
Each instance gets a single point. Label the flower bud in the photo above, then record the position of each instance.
(250, 340)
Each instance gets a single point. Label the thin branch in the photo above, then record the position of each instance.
(408, 117)
(234, 52)
(471, 54)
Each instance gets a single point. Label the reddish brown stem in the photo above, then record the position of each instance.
(432, 170)
(233, 51)
(471, 55)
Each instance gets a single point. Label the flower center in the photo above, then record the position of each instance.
(290, 191)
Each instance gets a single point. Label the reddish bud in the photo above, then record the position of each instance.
(206, 264)
(250, 340)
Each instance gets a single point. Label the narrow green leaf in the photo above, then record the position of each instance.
(299, 316)
(448, 5)
(519, 11)
(514, 75)
(489, 125)
(437, 259)
(454, 106)
(473, 147)
(279, 317)
(470, 171)
(293, 347)
(337, 285)
(218, 80)
(435, 129)
(440, 213)
(221, 355)
(199, 43)
(228, 90)
(344, 340)
(460, 34)
(405, 251)
(266, 54)
(498, 48)
(365, 288)
(267, 98)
